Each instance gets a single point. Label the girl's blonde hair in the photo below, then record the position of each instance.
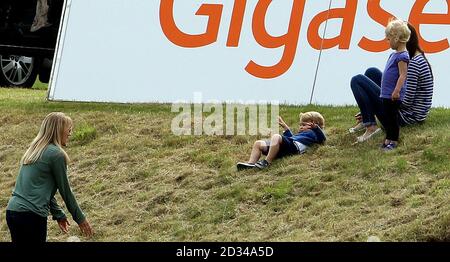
(312, 117)
(51, 132)
(398, 30)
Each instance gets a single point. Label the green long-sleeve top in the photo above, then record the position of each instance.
(37, 184)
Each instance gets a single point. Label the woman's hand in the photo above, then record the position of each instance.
(86, 228)
(395, 95)
(64, 225)
(282, 123)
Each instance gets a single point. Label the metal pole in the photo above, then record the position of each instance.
(320, 53)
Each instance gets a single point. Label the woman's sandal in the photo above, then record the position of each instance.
(364, 137)
(357, 128)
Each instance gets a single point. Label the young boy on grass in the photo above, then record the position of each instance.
(309, 133)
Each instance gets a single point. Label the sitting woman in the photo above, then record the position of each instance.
(416, 103)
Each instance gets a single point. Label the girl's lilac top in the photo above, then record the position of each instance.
(391, 75)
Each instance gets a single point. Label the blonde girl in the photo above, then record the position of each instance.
(43, 171)
(394, 80)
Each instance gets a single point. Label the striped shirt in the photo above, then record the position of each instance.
(419, 91)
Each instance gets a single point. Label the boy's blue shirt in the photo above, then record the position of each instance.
(308, 138)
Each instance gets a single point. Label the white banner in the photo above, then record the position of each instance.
(243, 50)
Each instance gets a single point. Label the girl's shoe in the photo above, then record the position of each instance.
(242, 166)
(390, 147)
(366, 136)
(357, 128)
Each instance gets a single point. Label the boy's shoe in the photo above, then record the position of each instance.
(261, 164)
(359, 127)
(365, 137)
(242, 166)
(390, 147)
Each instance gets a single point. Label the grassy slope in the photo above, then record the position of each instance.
(138, 182)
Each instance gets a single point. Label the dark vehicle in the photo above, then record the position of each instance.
(28, 34)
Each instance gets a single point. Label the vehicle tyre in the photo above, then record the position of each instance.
(18, 71)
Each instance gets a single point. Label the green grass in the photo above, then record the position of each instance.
(138, 182)
(39, 85)
(84, 134)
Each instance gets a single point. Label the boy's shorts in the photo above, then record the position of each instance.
(287, 148)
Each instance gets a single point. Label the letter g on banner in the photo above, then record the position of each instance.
(176, 36)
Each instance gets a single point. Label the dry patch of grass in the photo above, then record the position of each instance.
(138, 182)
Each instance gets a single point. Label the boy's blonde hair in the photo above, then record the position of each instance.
(398, 30)
(312, 117)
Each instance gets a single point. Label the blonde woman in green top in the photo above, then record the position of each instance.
(43, 171)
